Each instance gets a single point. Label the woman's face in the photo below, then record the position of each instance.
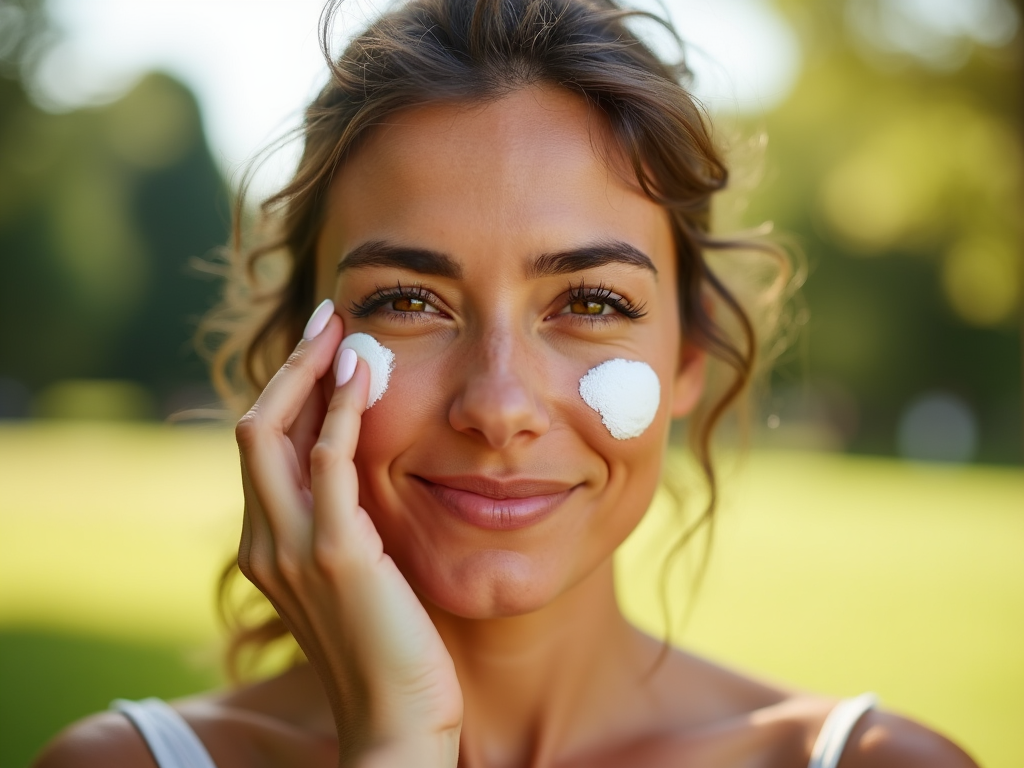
(501, 251)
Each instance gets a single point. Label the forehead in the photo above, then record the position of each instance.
(533, 172)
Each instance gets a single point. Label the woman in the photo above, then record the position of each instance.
(510, 200)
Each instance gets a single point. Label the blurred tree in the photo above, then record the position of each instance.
(101, 211)
(897, 164)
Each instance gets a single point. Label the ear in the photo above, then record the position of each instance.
(688, 383)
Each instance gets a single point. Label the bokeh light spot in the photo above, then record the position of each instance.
(919, 175)
(981, 281)
(938, 33)
(938, 427)
(866, 203)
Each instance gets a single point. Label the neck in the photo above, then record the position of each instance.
(535, 686)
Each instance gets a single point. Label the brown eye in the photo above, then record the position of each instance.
(409, 304)
(584, 307)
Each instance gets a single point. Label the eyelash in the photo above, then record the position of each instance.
(578, 292)
(370, 304)
(604, 295)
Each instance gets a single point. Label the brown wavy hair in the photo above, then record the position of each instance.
(428, 51)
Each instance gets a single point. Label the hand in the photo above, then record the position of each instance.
(314, 552)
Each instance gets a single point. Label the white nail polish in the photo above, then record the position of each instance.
(318, 320)
(344, 366)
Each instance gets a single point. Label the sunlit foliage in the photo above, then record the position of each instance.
(897, 166)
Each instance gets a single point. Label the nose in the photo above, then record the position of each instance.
(496, 401)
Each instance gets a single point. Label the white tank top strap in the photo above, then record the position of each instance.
(171, 740)
(828, 747)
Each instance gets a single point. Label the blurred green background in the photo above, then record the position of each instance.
(875, 538)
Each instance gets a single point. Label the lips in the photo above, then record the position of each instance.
(497, 505)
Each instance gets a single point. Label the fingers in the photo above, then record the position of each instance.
(305, 430)
(272, 451)
(333, 478)
(297, 455)
(254, 529)
(340, 429)
(283, 398)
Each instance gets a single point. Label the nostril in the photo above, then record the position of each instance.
(498, 409)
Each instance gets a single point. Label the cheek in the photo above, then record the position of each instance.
(632, 465)
(622, 414)
(410, 412)
(408, 423)
(465, 572)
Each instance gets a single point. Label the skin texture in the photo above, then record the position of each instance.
(515, 411)
(426, 633)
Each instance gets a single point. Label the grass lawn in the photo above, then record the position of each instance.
(830, 573)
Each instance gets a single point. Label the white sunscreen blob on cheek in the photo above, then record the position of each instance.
(625, 392)
(379, 358)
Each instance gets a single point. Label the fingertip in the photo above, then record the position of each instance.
(344, 366)
(322, 326)
(321, 347)
(318, 320)
(355, 388)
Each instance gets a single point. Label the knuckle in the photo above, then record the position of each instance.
(245, 564)
(337, 562)
(322, 457)
(326, 558)
(288, 566)
(296, 358)
(253, 567)
(247, 428)
(297, 365)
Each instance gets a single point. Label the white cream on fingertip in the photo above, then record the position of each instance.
(626, 394)
(379, 358)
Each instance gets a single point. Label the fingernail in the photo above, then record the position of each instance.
(344, 366)
(318, 320)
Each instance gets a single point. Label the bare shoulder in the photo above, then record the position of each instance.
(883, 740)
(98, 741)
(280, 721)
(764, 724)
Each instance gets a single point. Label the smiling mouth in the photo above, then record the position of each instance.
(497, 505)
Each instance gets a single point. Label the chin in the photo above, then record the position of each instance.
(487, 584)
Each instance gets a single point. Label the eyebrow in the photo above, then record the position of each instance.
(588, 257)
(379, 253)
